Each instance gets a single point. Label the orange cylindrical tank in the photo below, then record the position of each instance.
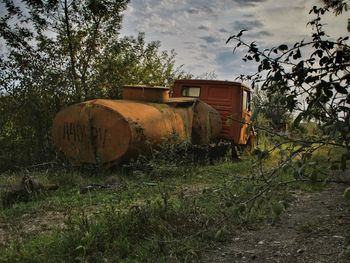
(105, 131)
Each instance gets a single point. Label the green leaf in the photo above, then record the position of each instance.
(266, 64)
(324, 61)
(297, 54)
(314, 176)
(257, 58)
(346, 194)
(339, 56)
(218, 234)
(319, 53)
(283, 47)
(229, 39)
(277, 208)
(344, 158)
(241, 32)
(242, 208)
(340, 89)
(298, 120)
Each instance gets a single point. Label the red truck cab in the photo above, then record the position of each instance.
(230, 99)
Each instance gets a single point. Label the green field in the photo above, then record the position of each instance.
(165, 212)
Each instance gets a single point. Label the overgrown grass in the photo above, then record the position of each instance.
(152, 216)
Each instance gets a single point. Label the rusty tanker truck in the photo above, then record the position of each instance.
(108, 132)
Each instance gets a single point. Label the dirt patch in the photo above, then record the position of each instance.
(29, 225)
(313, 229)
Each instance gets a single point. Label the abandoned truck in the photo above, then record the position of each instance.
(111, 131)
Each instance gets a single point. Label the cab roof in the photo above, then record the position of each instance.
(212, 82)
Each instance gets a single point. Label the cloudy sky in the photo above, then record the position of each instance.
(198, 29)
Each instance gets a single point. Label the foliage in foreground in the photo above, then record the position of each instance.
(153, 219)
(167, 209)
(309, 79)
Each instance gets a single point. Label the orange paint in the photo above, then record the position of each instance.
(108, 131)
(146, 93)
(227, 98)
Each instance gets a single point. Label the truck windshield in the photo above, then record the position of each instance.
(190, 91)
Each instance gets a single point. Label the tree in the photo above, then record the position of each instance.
(273, 109)
(132, 61)
(59, 52)
(338, 6)
(71, 35)
(314, 78)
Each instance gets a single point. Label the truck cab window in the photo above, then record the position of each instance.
(246, 101)
(190, 91)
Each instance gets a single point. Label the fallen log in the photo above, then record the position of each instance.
(25, 191)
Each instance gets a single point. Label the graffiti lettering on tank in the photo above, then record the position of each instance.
(75, 132)
(99, 135)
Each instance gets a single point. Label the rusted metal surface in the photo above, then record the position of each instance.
(89, 132)
(245, 132)
(107, 131)
(226, 97)
(206, 123)
(175, 102)
(146, 93)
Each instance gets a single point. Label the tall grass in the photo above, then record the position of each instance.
(167, 209)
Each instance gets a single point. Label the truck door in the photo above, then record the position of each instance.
(246, 114)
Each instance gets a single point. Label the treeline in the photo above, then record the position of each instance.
(59, 52)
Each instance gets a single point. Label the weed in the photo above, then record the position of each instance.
(158, 215)
(309, 228)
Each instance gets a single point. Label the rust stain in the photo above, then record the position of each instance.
(227, 98)
(107, 131)
(146, 93)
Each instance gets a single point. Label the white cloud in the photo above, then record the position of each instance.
(198, 29)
